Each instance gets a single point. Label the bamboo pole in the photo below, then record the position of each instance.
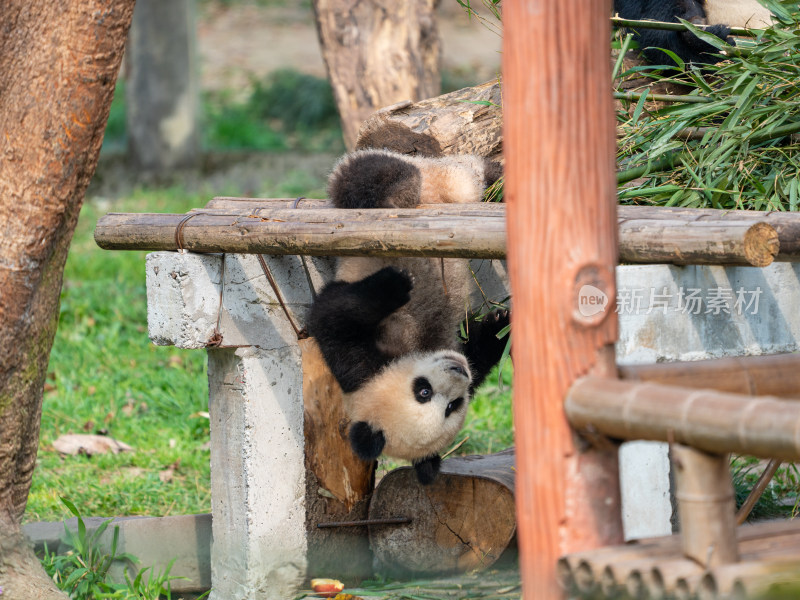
(772, 375)
(706, 506)
(711, 421)
(559, 145)
(620, 22)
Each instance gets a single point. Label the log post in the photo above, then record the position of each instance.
(706, 506)
(559, 143)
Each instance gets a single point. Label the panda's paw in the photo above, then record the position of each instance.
(427, 469)
(366, 442)
(393, 287)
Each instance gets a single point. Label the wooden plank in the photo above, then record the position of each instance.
(707, 420)
(560, 194)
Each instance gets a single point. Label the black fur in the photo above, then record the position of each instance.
(376, 181)
(483, 349)
(366, 442)
(344, 319)
(685, 44)
(427, 469)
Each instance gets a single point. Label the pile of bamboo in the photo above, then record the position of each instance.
(283, 226)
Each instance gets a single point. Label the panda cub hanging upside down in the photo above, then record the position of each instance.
(388, 327)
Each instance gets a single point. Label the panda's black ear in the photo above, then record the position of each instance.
(427, 469)
(366, 442)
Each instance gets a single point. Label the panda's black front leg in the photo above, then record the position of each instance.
(344, 320)
(427, 468)
(483, 348)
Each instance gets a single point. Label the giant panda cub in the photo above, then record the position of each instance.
(720, 15)
(388, 327)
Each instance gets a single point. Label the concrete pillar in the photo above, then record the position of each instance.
(162, 86)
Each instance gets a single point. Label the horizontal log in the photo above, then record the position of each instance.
(273, 226)
(712, 421)
(787, 224)
(774, 375)
(317, 232)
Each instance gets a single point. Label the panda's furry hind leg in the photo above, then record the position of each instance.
(483, 348)
(344, 319)
(427, 469)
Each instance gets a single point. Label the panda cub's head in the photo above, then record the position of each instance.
(413, 408)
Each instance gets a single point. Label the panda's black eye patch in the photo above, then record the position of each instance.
(453, 406)
(423, 390)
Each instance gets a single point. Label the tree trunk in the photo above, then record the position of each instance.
(58, 65)
(162, 90)
(377, 53)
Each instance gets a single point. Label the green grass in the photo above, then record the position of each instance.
(105, 376)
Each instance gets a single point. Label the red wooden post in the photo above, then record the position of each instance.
(562, 250)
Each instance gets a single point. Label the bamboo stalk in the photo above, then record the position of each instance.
(620, 22)
(773, 375)
(710, 421)
(634, 96)
(706, 506)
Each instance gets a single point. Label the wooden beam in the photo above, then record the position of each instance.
(288, 226)
(560, 193)
(707, 420)
(316, 232)
(773, 375)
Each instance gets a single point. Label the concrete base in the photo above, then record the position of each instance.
(188, 545)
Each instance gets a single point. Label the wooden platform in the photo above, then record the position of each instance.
(655, 568)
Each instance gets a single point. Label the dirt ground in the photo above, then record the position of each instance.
(241, 41)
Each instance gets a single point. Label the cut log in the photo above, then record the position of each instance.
(697, 242)
(461, 522)
(786, 224)
(376, 56)
(447, 230)
(338, 483)
(467, 121)
(711, 421)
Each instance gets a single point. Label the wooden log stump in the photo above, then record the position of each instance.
(461, 522)
(467, 121)
(338, 483)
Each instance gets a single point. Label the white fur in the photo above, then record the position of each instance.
(738, 13)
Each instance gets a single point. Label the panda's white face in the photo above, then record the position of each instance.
(419, 402)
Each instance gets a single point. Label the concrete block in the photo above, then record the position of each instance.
(156, 541)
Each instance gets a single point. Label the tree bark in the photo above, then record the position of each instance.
(377, 53)
(58, 65)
